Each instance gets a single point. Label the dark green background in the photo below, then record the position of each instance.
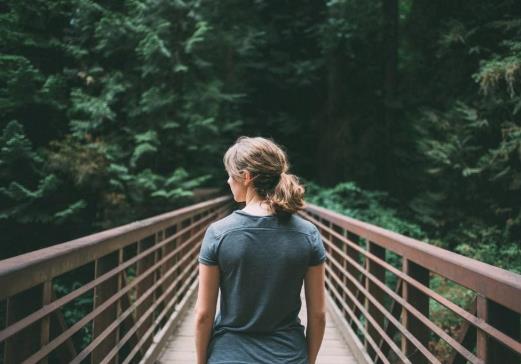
(404, 115)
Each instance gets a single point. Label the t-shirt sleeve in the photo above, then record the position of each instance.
(208, 252)
(318, 251)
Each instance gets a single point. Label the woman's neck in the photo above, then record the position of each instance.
(257, 207)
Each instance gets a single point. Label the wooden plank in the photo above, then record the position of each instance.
(181, 346)
(184, 302)
(161, 338)
(354, 344)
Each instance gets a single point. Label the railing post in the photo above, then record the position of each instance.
(178, 242)
(481, 337)
(345, 280)
(502, 319)
(46, 321)
(353, 254)
(127, 324)
(20, 346)
(187, 247)
(184, 237)
(419, 301)
(376, 292)
(193, 231)
(159, 273)
(172, 261)
(102, 293)
(119, 304)
(335, 257)
(329, 251)
(143, 265)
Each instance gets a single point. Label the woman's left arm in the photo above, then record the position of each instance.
(205, 308)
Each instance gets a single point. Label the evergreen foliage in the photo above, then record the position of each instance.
(115, 111)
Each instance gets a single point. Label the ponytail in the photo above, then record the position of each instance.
(288, 196)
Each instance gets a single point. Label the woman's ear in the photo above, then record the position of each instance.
(246, 177)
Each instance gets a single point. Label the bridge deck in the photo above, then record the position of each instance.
(180, 348)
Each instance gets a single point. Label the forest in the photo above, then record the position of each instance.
(405, 114)
(402, 113)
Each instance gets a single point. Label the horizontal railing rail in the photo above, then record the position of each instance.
(380, 281)
(135, 278)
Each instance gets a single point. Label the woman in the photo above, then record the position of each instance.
(260, 257)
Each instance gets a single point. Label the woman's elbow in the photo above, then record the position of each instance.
(202, 316)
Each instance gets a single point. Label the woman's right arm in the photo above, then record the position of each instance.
(314, 285)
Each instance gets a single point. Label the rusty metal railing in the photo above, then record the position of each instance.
(137, 278)
(391, 324)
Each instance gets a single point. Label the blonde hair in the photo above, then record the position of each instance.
(268, 164)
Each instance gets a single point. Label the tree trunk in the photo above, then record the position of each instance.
(335, 144)
(390, 82)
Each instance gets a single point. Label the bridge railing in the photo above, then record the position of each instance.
(135, 280)
(379, 282)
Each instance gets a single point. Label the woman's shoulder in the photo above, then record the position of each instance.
(235, 222)
(303, 224)
(223, 224)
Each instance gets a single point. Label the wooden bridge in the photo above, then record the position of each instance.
(134, 302)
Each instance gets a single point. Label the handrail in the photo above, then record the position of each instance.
(23, 271)
(498, 284)
(393, 321)
(142, 275)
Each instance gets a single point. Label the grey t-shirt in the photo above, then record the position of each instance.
(262, 262)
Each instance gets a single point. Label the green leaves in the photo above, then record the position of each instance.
(22, 82)
(147, 137)
(89, 112)
(152, 46)
(146, 143)
(179, 185)
(471, 148)
(71, 211)
(497, 69)
(201, 28)
(374, 207)
(93, 110)
(26, 188)
(155, 100)
(15, 147)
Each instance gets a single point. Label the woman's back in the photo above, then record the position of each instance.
(262, 262)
